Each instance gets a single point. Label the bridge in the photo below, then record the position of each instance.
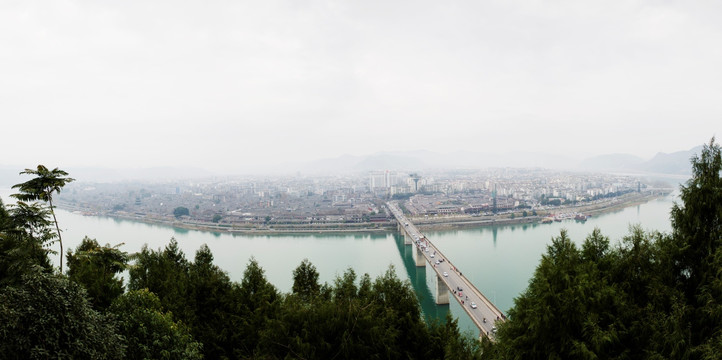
(450, 281)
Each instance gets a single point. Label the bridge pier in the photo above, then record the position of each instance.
(420, 260)
(442, 291)
(403, 231)
(443, 284)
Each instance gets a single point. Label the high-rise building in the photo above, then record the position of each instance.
(377, 179)
(383, 179)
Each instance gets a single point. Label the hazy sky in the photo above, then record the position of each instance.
(233, 84)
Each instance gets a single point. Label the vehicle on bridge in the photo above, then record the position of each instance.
(475, 310)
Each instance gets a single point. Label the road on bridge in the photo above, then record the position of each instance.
(481, 311)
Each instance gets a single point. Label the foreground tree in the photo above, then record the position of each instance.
(258, 302)
(165, 273)
(24, 236)
(48, 316)
(374, 319)
(697, 257)
(198, 293)
(305, 281)
(214, 300)
(149, 332)
(96, 268)
(42, 187)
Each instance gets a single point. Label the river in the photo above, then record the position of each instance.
(499, 260)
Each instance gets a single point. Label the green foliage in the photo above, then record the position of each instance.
(149, 333)
(696, 223)
(217, 218)
(572, 308)
(31, 221)
(251, 319)
(41, 188)
(379, 319)
(165, 273)
(48, 316)
(697, 252)
(95, 267)
(401, 196)
(448, 342)
(181, 211)
(259, 304)
(202, 296)
(25, 235)
(214, 300)
(305, 281)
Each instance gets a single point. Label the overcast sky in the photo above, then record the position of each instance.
(234, 84)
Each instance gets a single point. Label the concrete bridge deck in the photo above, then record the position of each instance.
(449, 278)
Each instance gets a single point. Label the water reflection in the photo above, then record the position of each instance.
(417, 276)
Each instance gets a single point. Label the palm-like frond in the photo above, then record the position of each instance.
(41, 187)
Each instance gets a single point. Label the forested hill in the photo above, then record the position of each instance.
(651, 296)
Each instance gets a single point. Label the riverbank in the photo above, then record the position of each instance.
(451, 222)
(433, 223)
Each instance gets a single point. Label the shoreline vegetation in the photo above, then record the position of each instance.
(433, 223)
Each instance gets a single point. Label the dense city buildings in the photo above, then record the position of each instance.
(256, 202)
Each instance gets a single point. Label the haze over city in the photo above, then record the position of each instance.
(242, 87)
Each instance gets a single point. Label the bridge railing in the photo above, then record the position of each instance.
(486, 300)
(468, 283)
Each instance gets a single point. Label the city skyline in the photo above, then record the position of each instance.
(239, 88)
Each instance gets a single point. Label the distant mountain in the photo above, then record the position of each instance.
(676, 163)
(425, 160)
(10, 176)
(390, 161)
(613, 162)
(341, 164)
(166, 173)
